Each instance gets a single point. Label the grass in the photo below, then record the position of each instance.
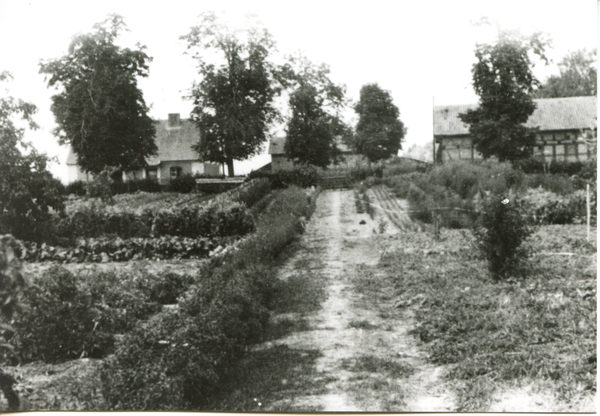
(542, 328)
(270, 376)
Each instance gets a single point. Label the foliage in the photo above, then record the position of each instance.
(545, 207)
(61, 321)
(379, 131)
(577, 77)
(76, 188)
(500, 232)
(503, 80)
(96, 220)
(584, 169)
(183, 184)
(303, 177)
(117, 249)
(28, 191)
(100, 110)
(135, 185)
(363, 172)
(101, 185)
(233, 103)
(12, 284)
(181, 358)
(72, 316)
(315, 123)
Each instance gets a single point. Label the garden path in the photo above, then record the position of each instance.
(347, 329)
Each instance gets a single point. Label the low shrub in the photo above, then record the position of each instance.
(255, 192)
(76, 188)
(69, 316)
(558, 184)
(304, 177)
(500, 231)
(60, 322)
(363, 172)
(136, 185)
(183, 184)
(101, 185)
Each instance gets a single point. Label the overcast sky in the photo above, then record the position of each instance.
(420, 51)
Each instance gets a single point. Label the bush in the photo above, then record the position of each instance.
(500, 231)
(100, 186)
(363, 172)
(132, 186)
(60, 323)
(558, 184)
(76, 188)
(304, 177)
(183, 184)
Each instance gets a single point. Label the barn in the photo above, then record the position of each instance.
(563, 125)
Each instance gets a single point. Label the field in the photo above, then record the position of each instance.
(361, 306)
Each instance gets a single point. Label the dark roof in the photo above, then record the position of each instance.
(551, 114)
(276, 145)
(174, 143)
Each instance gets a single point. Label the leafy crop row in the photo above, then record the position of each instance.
(88, 221)
(117, 249)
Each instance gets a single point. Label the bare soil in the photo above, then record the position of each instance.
(369, 360)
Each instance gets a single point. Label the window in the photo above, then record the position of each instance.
(175, 172)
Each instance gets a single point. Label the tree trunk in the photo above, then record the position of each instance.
(230, 168)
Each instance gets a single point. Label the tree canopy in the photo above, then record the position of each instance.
(503, 79)
(578, 77)
(233, 102)
(27, 189)
(101, 111)
(315, 124)
(379, 131)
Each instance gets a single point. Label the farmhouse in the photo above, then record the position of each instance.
(280, 161)
(174, 138)
(563, 124)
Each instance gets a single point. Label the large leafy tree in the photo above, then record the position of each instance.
(315, 124)
(27, 189)
(379, 131)
(100, 111)
(578, 77)
(234, 101)
(504, 82)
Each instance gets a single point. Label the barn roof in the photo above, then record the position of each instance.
(276, 145)
(551, 114)
(173, 143)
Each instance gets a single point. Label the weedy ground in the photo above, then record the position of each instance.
(520, 345)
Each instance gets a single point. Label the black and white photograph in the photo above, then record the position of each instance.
(298, 207)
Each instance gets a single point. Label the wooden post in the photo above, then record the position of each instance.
(587, 188)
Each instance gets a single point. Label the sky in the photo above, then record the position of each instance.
(422, 52)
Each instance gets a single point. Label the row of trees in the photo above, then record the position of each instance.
(101, 113)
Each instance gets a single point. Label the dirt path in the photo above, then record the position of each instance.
(369, 361)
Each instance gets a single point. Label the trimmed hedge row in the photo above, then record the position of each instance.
(182, 357)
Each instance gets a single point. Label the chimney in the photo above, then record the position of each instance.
(174, 120)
